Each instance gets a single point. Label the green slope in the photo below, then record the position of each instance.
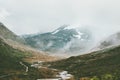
(94, 64)
(9, 57)
(10, 68)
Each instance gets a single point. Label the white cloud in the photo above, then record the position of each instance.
(31, 16)
(3, 14)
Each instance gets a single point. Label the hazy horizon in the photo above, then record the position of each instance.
(101, 17)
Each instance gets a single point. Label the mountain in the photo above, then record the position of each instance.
(103, 65)
(15, 57)
(9, 35)
(64, 40)
(99, 65)
(113, 40)
(11, 68)
(18, 43)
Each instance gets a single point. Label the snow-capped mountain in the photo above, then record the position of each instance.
(66, 39)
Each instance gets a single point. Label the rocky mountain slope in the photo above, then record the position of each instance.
(63, 40)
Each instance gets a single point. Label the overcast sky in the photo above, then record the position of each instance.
(32, 16)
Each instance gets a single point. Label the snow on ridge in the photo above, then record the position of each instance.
(72, 27)
(76, 27)
(55, 31)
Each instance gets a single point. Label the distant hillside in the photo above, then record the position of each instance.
(98, 63)
(17, 42)
(112, 40)
(7, 34)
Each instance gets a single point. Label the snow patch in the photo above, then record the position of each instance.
(49, 44)
(78, 35)
(72, 27)
(55, 31)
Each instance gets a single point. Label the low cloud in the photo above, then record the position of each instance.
(102, 17)
(3, 14)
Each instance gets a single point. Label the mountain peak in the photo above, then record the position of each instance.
(65, 27)
(59, 29)
(66, 38)
(72, 28)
